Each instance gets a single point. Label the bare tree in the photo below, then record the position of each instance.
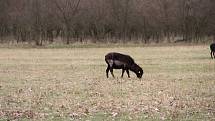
(67, 10)
(3, 19)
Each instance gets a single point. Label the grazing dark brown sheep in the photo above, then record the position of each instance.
(212, 46)
(124, 62)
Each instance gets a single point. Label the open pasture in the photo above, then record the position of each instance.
(71, 84)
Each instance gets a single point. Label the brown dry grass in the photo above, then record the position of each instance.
(70, 84)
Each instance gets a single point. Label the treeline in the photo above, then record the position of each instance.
(69, 21)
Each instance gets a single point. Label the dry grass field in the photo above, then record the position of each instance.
(70, 84)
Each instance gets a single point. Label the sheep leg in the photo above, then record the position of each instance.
(111, 71)
(127, 71)
(107, 70)
(110, 66)
(122, 73)
(212, 54)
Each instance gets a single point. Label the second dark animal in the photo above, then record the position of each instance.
(212, 47)
(120, 61)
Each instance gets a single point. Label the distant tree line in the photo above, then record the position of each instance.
(69, 21)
